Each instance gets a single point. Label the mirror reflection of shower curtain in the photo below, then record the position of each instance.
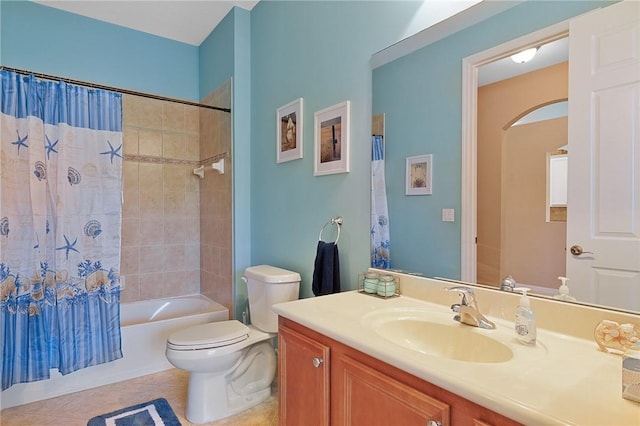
(380, 240)
(60, 217)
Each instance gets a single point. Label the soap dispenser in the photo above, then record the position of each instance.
(525, 319)
(563, 291)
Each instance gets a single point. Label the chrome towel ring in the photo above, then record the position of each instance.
(337, 221)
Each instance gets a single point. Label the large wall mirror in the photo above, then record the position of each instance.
(540, 186)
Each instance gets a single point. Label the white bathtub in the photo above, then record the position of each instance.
(145, 328)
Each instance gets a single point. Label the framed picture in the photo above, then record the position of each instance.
(419, 173)
(289, 132)
(331, 140)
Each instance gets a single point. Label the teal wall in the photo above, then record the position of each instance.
(50, 41)
(216, 55)
(421, 95)
(319, 51)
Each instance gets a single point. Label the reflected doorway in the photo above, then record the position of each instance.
(531, 239)
(514, 235)
(473, 198)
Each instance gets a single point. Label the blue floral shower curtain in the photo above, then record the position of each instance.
(60, 215)
(380, 242)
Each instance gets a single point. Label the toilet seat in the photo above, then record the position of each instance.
(208, 336)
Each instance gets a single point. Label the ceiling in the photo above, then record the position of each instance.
(191, 21)
(548, 54)
(187, 21)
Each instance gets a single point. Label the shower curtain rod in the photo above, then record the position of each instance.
(113, 89)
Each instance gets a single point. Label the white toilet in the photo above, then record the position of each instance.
(232, 365)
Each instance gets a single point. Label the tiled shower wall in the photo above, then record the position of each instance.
(161, 218)
(216, 280)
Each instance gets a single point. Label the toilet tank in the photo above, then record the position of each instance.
(266, 286)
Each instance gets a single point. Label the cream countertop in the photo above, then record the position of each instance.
(571, 383)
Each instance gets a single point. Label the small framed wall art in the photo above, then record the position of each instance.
(289, 131)
(419, 171)
(331, 140)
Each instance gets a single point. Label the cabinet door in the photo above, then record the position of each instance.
(364, 396)
(303, 379)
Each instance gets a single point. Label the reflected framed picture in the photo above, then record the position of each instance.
(331, 140)
(289, 131)
(419, 171)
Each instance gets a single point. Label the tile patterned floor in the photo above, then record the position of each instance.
(77, 408)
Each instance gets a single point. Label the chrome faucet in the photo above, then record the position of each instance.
(508, 284)
(467, 309)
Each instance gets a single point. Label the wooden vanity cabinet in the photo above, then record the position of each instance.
(303, 378)
(361, 395)
(348, 387)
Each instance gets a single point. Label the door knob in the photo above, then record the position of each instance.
(317, 361)
(577, 250)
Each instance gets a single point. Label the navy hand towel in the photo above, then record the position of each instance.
(326, 273)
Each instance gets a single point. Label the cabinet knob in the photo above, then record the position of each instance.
(434, 423)
(317, 361)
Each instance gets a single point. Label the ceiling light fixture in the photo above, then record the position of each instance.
(525, 55)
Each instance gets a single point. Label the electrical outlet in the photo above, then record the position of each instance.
(448, 215)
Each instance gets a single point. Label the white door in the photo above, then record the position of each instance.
(604, 156)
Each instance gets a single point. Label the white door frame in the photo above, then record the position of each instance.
(470, 65)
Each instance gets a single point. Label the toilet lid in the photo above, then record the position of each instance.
(209, 335)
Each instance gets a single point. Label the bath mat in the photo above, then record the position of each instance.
(153, 413)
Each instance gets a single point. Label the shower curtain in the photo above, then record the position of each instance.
(380, 243)
(60, 214)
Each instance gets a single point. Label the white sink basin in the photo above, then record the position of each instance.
(438, 334)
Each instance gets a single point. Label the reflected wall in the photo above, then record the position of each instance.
(420, 95)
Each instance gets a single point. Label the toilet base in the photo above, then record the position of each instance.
(214, 396)
(202, 407)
